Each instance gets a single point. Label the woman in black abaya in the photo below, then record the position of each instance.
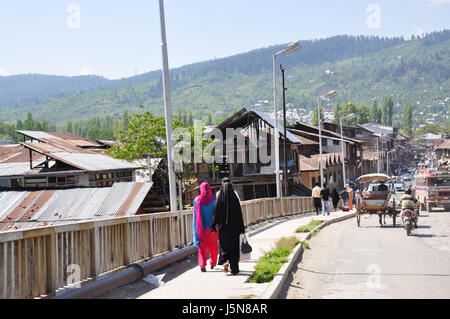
(228, 216)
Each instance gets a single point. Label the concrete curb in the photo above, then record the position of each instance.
(273, 291)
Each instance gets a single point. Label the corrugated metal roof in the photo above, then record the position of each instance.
(16, 153)
(266, 117)
(93, 162)
(10, 169)
(50, 207)
(36, 134)
(73, 150)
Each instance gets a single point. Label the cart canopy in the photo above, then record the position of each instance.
(373, 178)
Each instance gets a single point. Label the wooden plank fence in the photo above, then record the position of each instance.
(39, 262)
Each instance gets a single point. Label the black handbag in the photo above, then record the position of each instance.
(245, 247)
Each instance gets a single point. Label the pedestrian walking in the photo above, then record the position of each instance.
(325, 196)
(228, 217)
(350, 198)
(335, 198)
(316, 198)
(344, 196)
(204, 239)
(227, 180)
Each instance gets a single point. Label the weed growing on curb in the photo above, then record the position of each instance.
(305, 245)
(307, 228)
(272, 261)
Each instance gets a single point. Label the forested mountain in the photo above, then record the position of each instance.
(361, 68)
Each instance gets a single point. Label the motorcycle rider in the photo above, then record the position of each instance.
(408, 201)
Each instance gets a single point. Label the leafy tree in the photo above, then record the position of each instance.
(390, 111)
(337, 111)
(407, 119)
(144, 134)
(125, 120)
(316, 115)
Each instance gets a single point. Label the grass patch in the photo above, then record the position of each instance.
(287, 242)
(307, 228)
(249, 296)
(272, 261)
(305, 245)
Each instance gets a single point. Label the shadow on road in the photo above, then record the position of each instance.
(428, 235)
(367, 274)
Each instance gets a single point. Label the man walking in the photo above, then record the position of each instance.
(316, 198)
(325, 195)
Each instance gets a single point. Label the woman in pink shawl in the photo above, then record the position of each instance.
(204, 239)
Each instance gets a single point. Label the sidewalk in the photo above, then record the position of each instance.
(191, 283)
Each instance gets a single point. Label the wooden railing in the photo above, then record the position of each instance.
(40, 262)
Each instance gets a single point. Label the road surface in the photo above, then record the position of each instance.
(375, 262)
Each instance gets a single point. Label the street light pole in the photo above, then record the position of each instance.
(378, 157)
(320, 142)
(291, 48)
(343, 155)
(285, 177)
(276, 135)
(348, 117)
(330, 94)
(167, 111)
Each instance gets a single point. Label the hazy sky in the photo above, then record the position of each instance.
(117, 38)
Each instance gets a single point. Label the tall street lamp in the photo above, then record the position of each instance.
(348, 117)
(168, 112)
(290, 49)
(387, 168)
(329, 95)
(378, 156)
(285, 177)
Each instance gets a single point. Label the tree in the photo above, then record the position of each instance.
(384, 109)
(375, 113)
(390, 111)
(316, 115)
(337, 111)
(68, 127)
(144, 135)
(363, 114)
(125, 120)
(209, 120)
(29, 122)
(407, 119)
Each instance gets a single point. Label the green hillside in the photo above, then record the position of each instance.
(359, 68)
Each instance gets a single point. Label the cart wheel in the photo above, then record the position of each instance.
(394, 214)
(358, 212)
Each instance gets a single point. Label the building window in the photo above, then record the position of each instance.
(16, 182)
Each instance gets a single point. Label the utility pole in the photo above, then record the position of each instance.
(378, 157)
(167, 111)
(286, 183)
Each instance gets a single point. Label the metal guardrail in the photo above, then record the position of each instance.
(40, 262)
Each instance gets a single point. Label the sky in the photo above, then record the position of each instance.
(116, 38)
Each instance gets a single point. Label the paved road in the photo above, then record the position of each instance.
(372, 262)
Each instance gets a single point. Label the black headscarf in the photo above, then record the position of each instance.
(227, 210)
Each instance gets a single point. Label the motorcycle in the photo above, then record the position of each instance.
(410, 218)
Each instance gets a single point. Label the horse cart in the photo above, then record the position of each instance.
(377, 190)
